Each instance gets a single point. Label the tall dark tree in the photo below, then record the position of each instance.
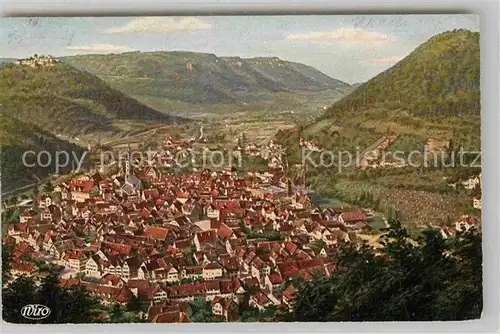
(6, 262)
(66, 305)
(48, 187)
(428, 279)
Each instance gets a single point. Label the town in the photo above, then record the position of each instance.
(167, 239)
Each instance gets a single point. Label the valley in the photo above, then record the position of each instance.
(226, 184)
(229, 112)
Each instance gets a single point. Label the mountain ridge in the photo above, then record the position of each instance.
(194, 77)
(439, 78)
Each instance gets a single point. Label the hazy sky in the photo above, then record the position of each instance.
(349, 48)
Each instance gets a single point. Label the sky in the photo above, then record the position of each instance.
(351, 48)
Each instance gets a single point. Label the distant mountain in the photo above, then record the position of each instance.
(63, 99)
(439, 78)
(203, 78)
(357, 84)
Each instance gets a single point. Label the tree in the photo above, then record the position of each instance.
(6, 262)
(133, 304)
(13, 200)
(427, 279)
(48, 187)
(199, 310)
(35, 193)
(116, 314)
(66, 305)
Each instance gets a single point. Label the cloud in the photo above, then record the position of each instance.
(159, 25)
(348, 35)
(100, 48)
(386, 60)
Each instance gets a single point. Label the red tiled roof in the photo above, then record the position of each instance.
(313, 263)
(212, 265)
(110, 278)
(251, 282)
(289, 293)
(353, 216)
(230, 286)
(467, 219)
(207, 236)
(275, 278)
(82, 186)
(124, 295)
(26, 267)
(137, 283)
(151, 193)
(120, 248)
(261, 299)
(290, 247)
(158, 233)
(74, 254)
(224, 232)
(172, 317)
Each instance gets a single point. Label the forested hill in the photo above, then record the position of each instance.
(203, 78)
(439, 78)
(18, 137)
(62, 99)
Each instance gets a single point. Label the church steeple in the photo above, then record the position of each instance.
(127, 163)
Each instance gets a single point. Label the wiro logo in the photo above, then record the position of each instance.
(35, 311)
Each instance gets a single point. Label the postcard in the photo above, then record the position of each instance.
(300, 168)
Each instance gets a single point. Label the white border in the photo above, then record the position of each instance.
(489, 29)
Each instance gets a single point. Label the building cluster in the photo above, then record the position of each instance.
(37, 61)
(168, 239)
(463, 223)
(310, 145)
(270, 151)
(471, 184)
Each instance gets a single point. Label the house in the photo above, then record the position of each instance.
(203, 238)
(45, 201)
(354, 219)
(213, 211)
(212, 270)
(159, 233)
(477, 203)
(76, 260)
(273, 282)
(166, 274)
(27, 216)
(159, 294)
(260, 301)
(46, 214)
(288, 295)
(172, 317)
(93, 267)
(130, 268)
(112, 280)
(83, 190)
(464, 223)
(226, 308)
(259, 268)
(20, 268)
(472, 182)
(194, 272)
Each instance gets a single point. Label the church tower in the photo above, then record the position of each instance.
(127, 163)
